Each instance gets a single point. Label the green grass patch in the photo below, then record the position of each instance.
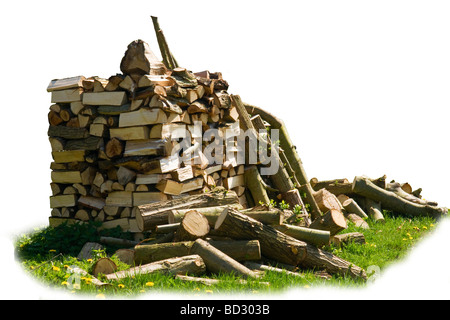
(49, 254)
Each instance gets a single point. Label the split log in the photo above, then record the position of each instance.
(192, 264)
(125, 255)
(193, 226)
(139, 60)
(103, 266)
(351, 206)
(346, 238)
(145, 216)
(333, 221)
(167, 228)
(114, 148)
(217, 262)
(316, 237)
(397, 188)
(389, 200)
(281, 247)
(326, 200)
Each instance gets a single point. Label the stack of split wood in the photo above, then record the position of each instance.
(120, 142)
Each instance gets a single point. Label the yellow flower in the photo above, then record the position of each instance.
(196, 289)
(76, 286)
(431, 225)
(404, 239)
(100, 296)
(55, 268)
(64, 283)
(121, 285)
(424, 227)
(410, 238)
(32, 267)
(88, 280)
(149, 284)
(306, 286)
(208, 291)
(142, 291)
(89, 260)
(408, 234)
(52, 250)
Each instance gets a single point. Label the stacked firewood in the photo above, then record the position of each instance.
(136, 138)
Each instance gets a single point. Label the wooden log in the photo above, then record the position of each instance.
(218, 262)
(291, 153)
(265, 214)
(88, 144)
(139, 60)
(239, 250)
(374, 210)
(141, 117)
(118, 242)
(125, 255)
(117, 98)
(103, 266)
(389, 200)
(210, 213)
(346, 238)
(192, 264)
(114, 148)
(67, 132)
(333, 221)
(67, 96)
(254, 185)
(319, 238)
(281, 247)
(351, 206)
(259, 266)
(397, 188)
(154, 252)
(146, 213)
(130, 133)
(68, 200)
(66, 83)
(326, 200)
(193, 226)
(357, 220)
(211, 282)
(69, 156)
(169, 60)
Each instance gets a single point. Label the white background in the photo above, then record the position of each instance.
(363, 87)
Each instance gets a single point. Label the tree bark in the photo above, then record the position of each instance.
(144, 254)
(253, 183)
(374, 210)
(398, 190)
(345, 238)
(351, 206)
(389, 200)
(239, 250)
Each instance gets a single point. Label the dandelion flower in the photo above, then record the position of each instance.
(100, 296)
(76, 286)
(306, 286)
(88, 280)
(208, 291)
(149, 284)
(52, 250)
(55, 268)
(424, 227)
(64, 283)
(89, 260)
(431, 225)
(121, 285)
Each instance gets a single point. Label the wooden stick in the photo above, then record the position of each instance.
(168, 58)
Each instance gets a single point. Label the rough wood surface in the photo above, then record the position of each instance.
(193, 226)
(316, 237)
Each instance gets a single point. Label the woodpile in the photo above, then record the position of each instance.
(130, 151)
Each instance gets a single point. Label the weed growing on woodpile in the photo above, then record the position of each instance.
(50, 255)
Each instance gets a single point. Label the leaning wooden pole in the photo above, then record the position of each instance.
(168, 58)
(291, 155)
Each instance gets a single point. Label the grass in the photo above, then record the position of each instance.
(49, 255)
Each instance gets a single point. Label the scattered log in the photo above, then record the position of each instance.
(316, 237)
(397, 188)
(281, 247)
(211, 282)
(357, 220)
(144, 254)
(253, 183)
(211, 213)
(389, 200)
(118, 242)
(374, 210)
(259, 266)
(217, 262)
(326, 200)
(93, 280)
(351, 206)
(333, 221)
(125, 255)
(346, 238)
(239, 250)
(192, 264)
(103, 266)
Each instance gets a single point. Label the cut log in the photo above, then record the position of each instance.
(126, 256)
(131, 133)
(144, 254)
(118, 242)
(326, 200)
(319, 238)
(333, 221)
(218, 262)
(259, 266)
(66, 83)
(397, 188)
(193, 226)
(67, 132)
(67, 200)
(145, 215)
(148, 148)
(69, 156)
(103, 266)
(281, 247)
(357, 220)
(265, 214)
(141, 117)
(239, 250)
(210, 213)
(389, 200)
(374, 210)
(351, 206)
(192, 264)
(114, 148)
(67, 96)
(143, 198)
(346, 238)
